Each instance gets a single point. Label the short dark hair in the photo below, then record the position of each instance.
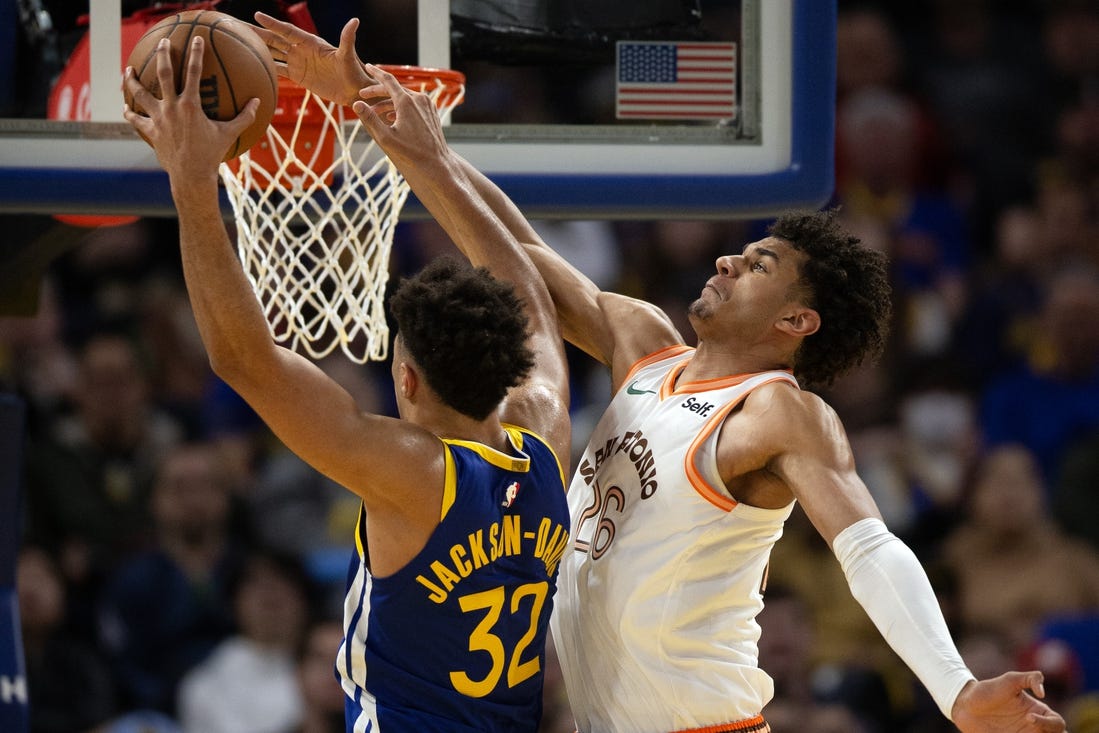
(466, 331)
(848, 285)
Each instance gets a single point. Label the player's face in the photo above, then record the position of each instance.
(749, 291)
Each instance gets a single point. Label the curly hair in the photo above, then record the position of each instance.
(848, 285)
(467, 332)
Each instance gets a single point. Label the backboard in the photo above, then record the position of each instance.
(556, 136)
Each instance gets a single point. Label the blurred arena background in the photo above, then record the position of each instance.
(158, 513)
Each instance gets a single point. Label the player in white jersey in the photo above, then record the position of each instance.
(660, 563)
(677, 650)
(655, 619)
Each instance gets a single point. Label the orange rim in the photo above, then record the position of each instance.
(416, 78)
(425, 79)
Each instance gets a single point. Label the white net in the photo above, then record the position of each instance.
(315, 205)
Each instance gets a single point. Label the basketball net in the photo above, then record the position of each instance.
(316, 204)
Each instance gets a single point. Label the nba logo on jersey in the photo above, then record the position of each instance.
(510, 494)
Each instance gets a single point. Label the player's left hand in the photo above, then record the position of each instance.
(336, 74)
(1006, 704)
(404, 123)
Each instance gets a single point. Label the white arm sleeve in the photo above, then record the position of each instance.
(888, 581)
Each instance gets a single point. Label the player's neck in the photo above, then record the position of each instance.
(713, 360)
(449, 423)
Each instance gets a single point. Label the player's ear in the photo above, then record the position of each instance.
(801, 321)
(407, 379)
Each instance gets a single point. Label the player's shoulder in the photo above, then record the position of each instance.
(639, 329)
(782, 407)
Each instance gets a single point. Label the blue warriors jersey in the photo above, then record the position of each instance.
(455, 641)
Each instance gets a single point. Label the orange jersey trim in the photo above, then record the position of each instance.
(669, 386)
(711, 494)
(749, 725)
(654, 357)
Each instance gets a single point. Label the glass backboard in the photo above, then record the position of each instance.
(549, 122)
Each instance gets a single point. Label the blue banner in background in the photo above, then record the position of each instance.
(14, 700)
(12, 414)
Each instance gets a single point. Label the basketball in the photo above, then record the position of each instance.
(236, 67)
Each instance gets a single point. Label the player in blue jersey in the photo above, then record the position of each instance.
(464, 516)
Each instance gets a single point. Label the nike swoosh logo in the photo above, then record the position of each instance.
(633, 390)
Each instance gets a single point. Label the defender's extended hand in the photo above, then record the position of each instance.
(335, 74)
(188, 144)
(1003, 705)
(404, 123)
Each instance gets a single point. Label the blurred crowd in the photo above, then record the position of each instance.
(184, 571)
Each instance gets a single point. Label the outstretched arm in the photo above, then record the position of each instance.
(415, 143)
(375, 456)
(613, 329)
(794, 437)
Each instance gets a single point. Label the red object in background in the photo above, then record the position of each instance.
(69, 98)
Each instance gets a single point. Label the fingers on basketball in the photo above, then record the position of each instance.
(236, 67)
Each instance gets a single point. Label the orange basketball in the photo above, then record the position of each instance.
(236, 67)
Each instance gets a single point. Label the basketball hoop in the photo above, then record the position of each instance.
(316, 204)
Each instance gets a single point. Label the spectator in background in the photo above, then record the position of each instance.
(1070, 40)
(35, 360)
(89, 474)
(178, 368)
(921, 229)
(1005, 297)
(57, 664)
(1014, 567)
(167, 608)
(1076, 494)
(786, 647)
(321, 695)
(556, 713)
(868, 51)
(871, 56)
(979, 70)
(250, 680)
(1061, 666)
(1053, 400)
(808, 692)
(940, 441)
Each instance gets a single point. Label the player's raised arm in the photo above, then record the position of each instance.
(310, 412)
(614, 329)
(406, 126)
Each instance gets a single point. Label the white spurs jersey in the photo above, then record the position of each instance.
(661, 583)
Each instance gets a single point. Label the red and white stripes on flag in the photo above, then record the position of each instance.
(675, 80)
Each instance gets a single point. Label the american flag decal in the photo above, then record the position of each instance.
(675, 80)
